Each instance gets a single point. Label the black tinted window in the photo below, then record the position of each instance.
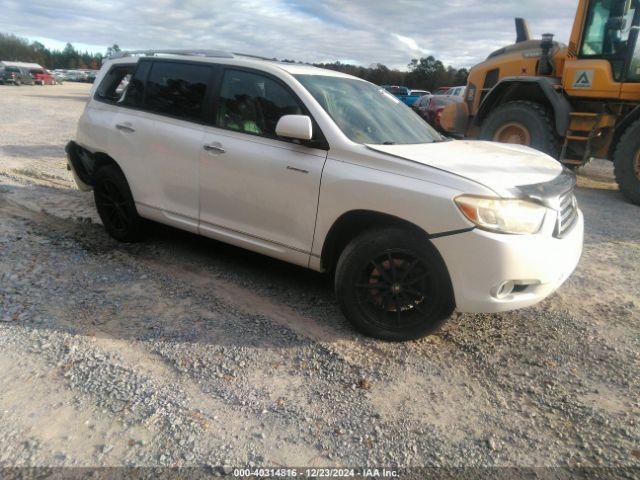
(177, 89)
(253, 103)
(134, 93)
(113, 84)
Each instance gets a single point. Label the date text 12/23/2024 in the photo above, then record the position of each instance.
(315, 473)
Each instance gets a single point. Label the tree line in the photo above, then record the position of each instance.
(426, 73)
(17, 49)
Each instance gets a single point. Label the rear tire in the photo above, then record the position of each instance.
(525, 123)
(626, 163)
(115, 205)
(392, 284)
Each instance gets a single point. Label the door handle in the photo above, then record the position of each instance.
(214, 147)
(124, 127)
(295, 169)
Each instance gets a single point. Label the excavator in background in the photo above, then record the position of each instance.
(574, 102)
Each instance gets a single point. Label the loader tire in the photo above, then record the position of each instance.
(626, 163)
(524, 123)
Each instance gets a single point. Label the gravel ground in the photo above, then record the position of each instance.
(182, 351)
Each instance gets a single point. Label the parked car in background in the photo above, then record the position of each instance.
(421, 106)
(451, 91)
(16, 76)
(441, 91)
(456, 91)
(75, 76)
(329, 172)
(404, 94)
(58, 77)
(42, 76)
(420, 93)
(430, 108)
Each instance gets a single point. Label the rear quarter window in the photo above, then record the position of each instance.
(111, 88)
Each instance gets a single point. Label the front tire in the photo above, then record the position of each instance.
(392, 284)
(626, 163)
(115, 205)
(523, 123)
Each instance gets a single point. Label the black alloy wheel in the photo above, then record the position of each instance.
(111, 203)
(116, 206)
(391, 283)
(395, 288)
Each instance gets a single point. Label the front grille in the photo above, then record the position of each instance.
(567, 214)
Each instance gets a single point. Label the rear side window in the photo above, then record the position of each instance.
(177, 89)
(134, 93)
(253, 103)
(113, 84)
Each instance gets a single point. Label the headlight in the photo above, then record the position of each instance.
(503, 215)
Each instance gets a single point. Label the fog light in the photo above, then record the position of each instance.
(505, 289)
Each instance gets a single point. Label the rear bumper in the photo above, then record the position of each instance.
(75, 166)
(480, 263)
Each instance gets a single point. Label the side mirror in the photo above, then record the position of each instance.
(295, 126)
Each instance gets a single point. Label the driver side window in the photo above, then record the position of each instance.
(606, 32)
(253, 103)
(593, 41)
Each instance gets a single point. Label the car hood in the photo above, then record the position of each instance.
(498, 166)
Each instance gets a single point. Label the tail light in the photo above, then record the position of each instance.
(436, 119)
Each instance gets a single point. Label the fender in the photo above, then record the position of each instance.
(540, 89)
(621, 126)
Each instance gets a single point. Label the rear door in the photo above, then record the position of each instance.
(259, 190)
(129, 127)
(163, 140)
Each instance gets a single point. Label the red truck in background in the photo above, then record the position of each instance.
(42, 76)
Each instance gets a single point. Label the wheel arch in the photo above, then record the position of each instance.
(351, 224)
(535, 89)
(621, 127)
(85, 163)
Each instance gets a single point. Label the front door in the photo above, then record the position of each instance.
(258, 190)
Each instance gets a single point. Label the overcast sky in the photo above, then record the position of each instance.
(459, 32)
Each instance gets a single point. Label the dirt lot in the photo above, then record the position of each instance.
(184, 351)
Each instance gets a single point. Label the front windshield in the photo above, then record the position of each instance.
(366, 113)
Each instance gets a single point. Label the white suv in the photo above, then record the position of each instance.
(332, 173)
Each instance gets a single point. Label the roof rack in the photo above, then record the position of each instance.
(151, 53)
(257, 57)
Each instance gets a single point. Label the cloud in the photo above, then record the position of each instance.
(411, 43)
(458, 32)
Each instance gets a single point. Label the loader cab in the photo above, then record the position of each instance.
(603, 54)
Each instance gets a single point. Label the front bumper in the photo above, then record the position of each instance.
(480, 262)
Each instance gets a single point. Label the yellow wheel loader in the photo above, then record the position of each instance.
(573, 102)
